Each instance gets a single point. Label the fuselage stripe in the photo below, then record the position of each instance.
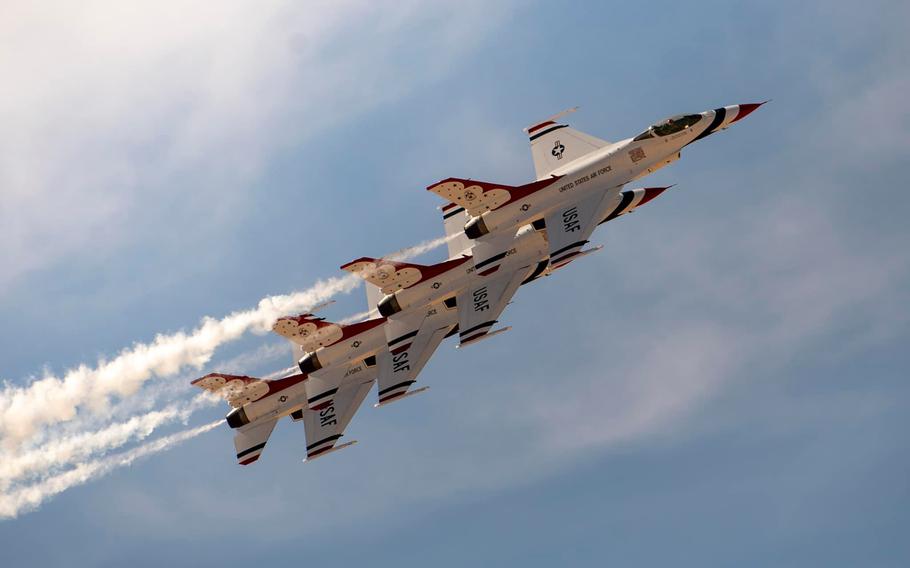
(719, 115)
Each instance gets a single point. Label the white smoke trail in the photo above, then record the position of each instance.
(29, 410)
(66, 450)
(419, 249)
(24, 410)
(51, 400)
(30, 497)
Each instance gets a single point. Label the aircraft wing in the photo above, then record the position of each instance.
(413, 336)
(570, 226)
(483, 302)
(250, 440)
(325, 424)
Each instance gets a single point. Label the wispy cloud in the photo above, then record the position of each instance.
(119, 112)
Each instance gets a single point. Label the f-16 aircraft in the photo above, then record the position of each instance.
(479, 292)
(579, 181)
(498, 236)
(259, 404)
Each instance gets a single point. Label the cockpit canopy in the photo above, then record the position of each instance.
(669, 126)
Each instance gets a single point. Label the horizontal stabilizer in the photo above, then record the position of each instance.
(392, 275)
(250, 440)
(478, 197)
(237, 390)
(308, 331)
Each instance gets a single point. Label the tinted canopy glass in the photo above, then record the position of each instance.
(675, 124)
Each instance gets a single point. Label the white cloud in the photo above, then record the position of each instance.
(118, 112)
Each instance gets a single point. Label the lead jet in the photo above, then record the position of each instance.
(258, 405)
(579, 182)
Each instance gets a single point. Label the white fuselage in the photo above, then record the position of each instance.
(528, 246)
(607, 168)
(351, 349)
(277, 405)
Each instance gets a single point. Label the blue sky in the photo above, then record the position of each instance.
(725, 383)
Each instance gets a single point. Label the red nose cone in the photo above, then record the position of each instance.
(651, 193)
(746, 109)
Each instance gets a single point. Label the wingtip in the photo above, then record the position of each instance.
(348, 265)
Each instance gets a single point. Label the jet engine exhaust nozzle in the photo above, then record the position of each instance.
(309, 364)
(237, 418)
(388, 306)
(476, 228)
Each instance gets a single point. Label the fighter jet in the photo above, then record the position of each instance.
(478, 295)
(399, 346)
(258, 404)
(328, 349)
(579, 182)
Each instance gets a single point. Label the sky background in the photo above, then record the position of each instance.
(725, 383)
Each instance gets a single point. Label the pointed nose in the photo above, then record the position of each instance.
(744, 110)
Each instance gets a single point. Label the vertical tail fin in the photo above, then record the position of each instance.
(555, 144)
(374, 295)
(454, 218)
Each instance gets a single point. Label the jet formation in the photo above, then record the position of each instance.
(499, 237)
